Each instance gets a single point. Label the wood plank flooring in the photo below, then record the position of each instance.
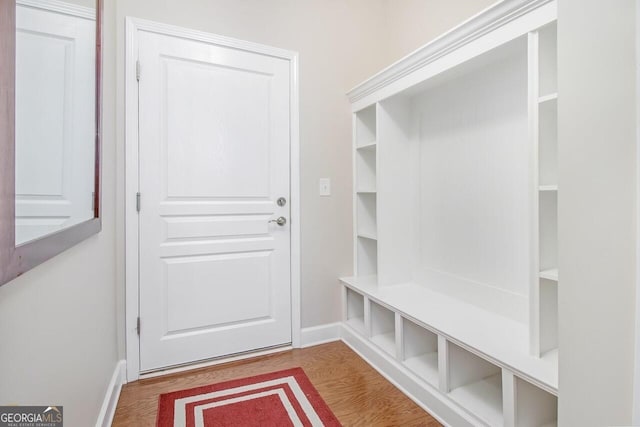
(356, 393)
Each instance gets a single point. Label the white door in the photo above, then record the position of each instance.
(214, 137)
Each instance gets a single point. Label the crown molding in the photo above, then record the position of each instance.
(475, 27)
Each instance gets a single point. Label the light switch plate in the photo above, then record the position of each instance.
(325, 187)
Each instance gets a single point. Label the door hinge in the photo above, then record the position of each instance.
(138, 70)
(138, 326)
(138, 202)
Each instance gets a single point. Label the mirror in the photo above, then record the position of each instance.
(49, 164)
(55, 120)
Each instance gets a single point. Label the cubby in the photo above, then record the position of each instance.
(366, 171)
(383, 328)
(475, 384)
(367, 255)
(365, 127)
(534, 406)
(355, 310)
(455, 218)
(420, 351)
(366, 215)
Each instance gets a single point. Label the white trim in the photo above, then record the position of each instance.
(636, 382)
(131, 224)
(214, 362)
(295, 218)
(486, 21)
(60, 7)
(320, 334)
(110, 402)
(133, 26)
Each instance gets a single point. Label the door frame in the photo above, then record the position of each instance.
(133, 27)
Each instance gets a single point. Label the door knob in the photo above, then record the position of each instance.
(280, 221)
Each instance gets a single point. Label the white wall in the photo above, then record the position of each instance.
(411, 23)
(597, 211)
(58, 321)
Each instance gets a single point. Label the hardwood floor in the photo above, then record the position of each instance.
(356, 393)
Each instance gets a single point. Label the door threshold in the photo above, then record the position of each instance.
(215, 361)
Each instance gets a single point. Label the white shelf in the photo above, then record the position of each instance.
(465, 323)
(370, 236)
(483, 399)
(366, 191)
(386, 342)
(551, 274)
(368, 146)
(548, 188)
(548, 98)
(425, 366)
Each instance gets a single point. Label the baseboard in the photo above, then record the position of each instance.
(108, 410)
(320, 334)
(423, 394)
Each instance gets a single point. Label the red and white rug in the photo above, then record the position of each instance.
(278, 399)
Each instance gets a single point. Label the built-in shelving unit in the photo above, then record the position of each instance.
(454, 293)
(544, 136)
(365, 225)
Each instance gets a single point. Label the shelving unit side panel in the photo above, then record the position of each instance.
(397, 191)
(508, 398)
(534, 194)
(354, 186)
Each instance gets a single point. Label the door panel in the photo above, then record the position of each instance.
(214, 157)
